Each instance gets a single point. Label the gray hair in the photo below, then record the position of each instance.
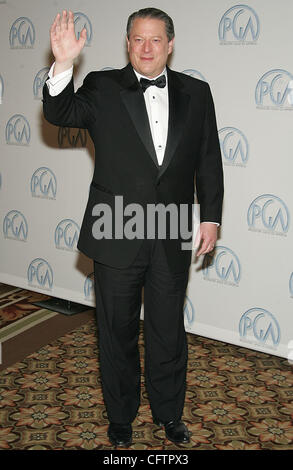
(152, 13)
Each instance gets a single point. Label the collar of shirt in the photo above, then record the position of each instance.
(139, 76)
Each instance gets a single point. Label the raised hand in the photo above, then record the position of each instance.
(65, 46)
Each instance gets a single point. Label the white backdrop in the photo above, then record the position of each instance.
(245, 295)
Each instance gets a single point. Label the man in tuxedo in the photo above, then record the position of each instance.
(155, 138)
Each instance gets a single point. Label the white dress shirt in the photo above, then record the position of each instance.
(156, 100)
(157, 105)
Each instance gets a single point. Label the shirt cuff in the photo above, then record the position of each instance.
(206, 222)
(57, 83)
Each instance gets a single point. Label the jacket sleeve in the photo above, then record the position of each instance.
(69, 109)
(209, 170)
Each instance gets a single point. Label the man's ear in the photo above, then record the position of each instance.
(127, 43)
(171, 45)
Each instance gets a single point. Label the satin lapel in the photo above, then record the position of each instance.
(132, 97)
(178, 112)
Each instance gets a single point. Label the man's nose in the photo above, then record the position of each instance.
(147, 46)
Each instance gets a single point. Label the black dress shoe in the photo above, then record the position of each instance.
(120, 435)
(176, 431)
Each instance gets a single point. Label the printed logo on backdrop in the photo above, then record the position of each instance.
(44, 183)
(22, 34)
(194, 74)
(71, 137)
(18, 131)
(66, 235)
(82, 21)
(291, 285)
(272, 90)
(239, 26)
(188, 311)
(222, 266)
(268, 214)
(1, 89)
(40, 274)
(234, 146)
(39, 82)
(89, 288)
(259, 326)
(15, 226)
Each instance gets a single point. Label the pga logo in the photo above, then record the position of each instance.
(234, 146)
(259, 325)
(44, 183)
(1, 89)
(222, 266)
(269, 214)
(15, 226)
(71, 137)
(18, 131)
(239, 25)
(291, 285)
(40, 274)
(22, 34)
(272, 90)
(89, 287)
(188, 312)
(39, 82)
(66, 235)
(82, 21)
(194, 74)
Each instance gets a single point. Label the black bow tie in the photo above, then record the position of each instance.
(159, 82)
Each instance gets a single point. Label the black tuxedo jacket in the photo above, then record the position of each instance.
(110, 104)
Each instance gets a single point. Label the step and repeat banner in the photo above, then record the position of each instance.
(244, 293)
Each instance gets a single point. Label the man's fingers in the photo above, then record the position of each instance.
(82, 36)
(64, 19)
(207, 247)
(53, 25)
(58, 23)
(70, 19)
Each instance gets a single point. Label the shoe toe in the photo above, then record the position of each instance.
(120, 434)
(177, 432)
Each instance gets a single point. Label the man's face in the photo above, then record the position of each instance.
(148, 46)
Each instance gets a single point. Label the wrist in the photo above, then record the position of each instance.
(62, 66)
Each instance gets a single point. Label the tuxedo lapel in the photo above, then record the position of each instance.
(132, 97)
(178, 112)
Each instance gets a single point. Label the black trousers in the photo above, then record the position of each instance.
(118, 305)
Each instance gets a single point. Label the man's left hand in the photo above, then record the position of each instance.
(207, 238)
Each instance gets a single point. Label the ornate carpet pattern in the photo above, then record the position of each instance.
(15, 304)
(236, 399)
(25, 327)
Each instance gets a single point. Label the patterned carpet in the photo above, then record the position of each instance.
(237, 399)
